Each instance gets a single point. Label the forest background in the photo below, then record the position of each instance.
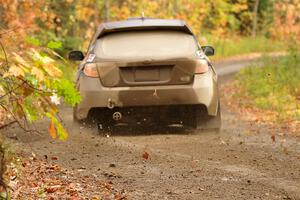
(231, 26)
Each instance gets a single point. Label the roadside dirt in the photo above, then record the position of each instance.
(239, 163)
(242, 162)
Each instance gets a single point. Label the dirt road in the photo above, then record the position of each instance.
(242, 162)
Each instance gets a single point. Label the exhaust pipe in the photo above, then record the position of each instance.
(117, 116)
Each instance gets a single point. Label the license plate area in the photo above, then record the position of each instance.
(142, 74)
(146, 74)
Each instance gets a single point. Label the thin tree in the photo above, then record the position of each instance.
(254, 22)
(175, 7)
(106, 10)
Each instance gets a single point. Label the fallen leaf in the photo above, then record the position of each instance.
(54, 158)
(146, 155)
(54, 168)
(25, 163)
(112, 165)
(273, 138)
(52, 189)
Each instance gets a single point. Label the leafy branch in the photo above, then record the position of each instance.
(31, 85)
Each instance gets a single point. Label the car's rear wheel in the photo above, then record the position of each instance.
(198, 119)
(99, 118)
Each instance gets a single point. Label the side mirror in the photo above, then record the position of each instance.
(76, 56)
(208, 50)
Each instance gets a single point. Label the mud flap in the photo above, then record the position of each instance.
(207, 122)
(202, 121)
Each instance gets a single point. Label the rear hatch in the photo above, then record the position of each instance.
(164, 72)
(138, 58)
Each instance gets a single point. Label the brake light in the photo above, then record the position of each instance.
(202, 66)
(90, 70)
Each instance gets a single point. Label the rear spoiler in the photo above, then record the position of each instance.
(142, 24)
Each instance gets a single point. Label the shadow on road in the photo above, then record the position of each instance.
(152, 130)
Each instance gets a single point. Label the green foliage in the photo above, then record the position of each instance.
(72, 23)
(33, 82)
(274, 85)
(65, 88)
(54, 45)
(226, 47)
(33, 41)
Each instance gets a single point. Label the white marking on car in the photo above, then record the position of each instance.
(91, 58)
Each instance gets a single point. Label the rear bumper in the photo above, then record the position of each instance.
(203, 91)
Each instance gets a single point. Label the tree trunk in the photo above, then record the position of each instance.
(97, 13)
(254, 22)
(106, 10)
(2, 170)
(175, 8)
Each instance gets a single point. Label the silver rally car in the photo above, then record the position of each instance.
(147, 72)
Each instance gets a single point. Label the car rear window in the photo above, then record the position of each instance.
(146, 44)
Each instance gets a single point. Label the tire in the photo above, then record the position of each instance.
(101, 120)
(199, 120)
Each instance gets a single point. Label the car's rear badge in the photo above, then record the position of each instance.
(91, 58)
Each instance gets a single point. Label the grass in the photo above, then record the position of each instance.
(235, 45)
(274, 85)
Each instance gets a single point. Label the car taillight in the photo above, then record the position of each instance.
(90, 70)
(202, 66)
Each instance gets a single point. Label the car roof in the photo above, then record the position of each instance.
(133, 24)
